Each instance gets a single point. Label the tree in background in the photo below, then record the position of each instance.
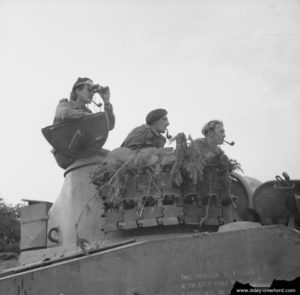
(9, 227)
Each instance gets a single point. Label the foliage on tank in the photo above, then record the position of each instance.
(122, 165)
(9, 227)
(187, 166)
(193, 163)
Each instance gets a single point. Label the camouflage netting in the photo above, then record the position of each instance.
(122, 164)
(187, 168)
(202, 172)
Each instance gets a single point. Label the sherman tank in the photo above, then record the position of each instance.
(133, 222)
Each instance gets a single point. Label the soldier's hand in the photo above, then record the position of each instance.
(104, 93)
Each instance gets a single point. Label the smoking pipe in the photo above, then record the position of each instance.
(168, 136)
(97, 104)
(230, 143)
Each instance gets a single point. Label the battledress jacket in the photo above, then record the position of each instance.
(208, 152)
(68, 110)
(142, 137)
(216, 177)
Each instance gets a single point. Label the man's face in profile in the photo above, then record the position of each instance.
(161, 124)
(219, 134)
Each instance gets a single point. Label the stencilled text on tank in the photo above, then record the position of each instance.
(214, 283)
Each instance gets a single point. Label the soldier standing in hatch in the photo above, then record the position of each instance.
(214, 133)
(82, 94)
(149, 134)
(76, 107)
(217, 165)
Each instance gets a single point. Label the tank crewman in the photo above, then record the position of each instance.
(149, 134)
(81, 95)
(214, 135)
(76, 107)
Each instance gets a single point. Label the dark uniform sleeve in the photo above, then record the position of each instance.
(136, 138)
(65, 112)
(108, 108)
(143, 137)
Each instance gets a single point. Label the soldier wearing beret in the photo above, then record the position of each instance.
(149, 134)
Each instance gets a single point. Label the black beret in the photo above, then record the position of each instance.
(155, 115)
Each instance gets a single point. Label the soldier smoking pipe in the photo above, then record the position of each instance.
(230, 143)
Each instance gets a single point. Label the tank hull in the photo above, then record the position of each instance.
(185, 264)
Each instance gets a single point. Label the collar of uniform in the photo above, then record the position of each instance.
(213, 148)
(153, 130)
(75, 106)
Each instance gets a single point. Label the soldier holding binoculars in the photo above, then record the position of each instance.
(82, 94)
(76, 107)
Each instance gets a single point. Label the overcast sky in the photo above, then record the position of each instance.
(234, 60)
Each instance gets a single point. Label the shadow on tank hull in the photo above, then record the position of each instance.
(116, 252)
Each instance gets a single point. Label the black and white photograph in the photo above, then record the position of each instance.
(149, 147)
